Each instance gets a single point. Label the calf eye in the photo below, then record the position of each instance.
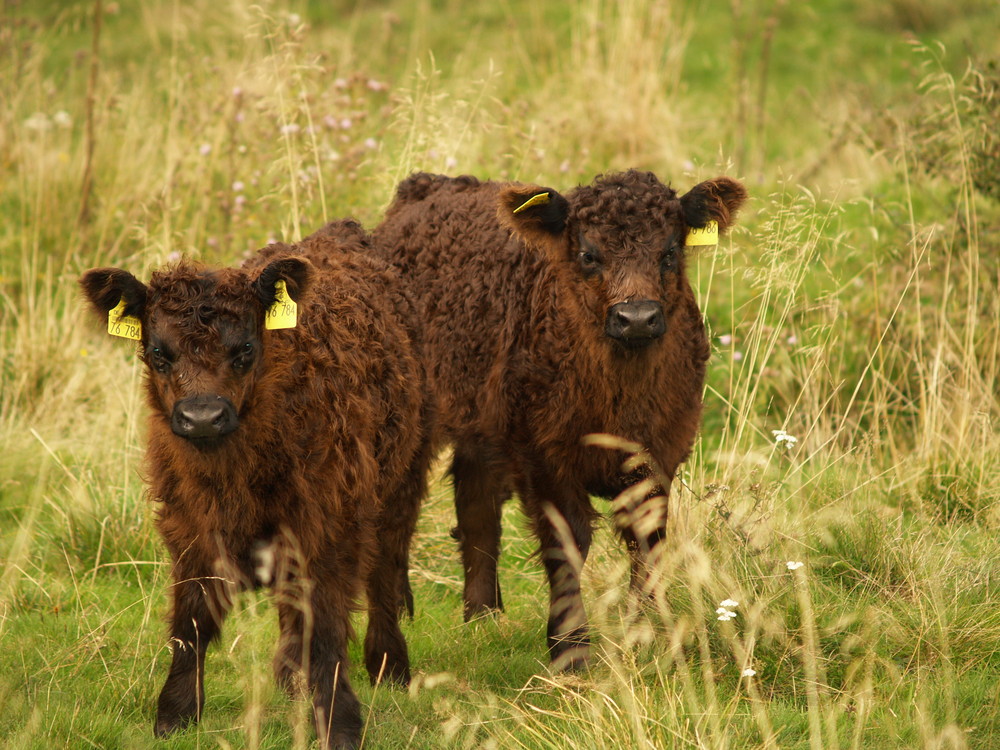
(668, 261)
(158, 360)
(243, 357)
(590, 263)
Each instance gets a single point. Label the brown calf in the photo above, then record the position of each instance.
(548, 318)
(290, 457)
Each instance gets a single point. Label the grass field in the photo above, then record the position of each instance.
(855, 307)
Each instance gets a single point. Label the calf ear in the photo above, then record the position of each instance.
(538, 215)
(717, 199)
(295, 272)
(104, 288)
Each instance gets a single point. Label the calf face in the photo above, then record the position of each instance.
(201, 335)
(624, 237)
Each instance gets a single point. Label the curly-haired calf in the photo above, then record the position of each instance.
(548, 318)
(293, 457)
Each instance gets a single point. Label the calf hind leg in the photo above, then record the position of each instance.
(388, 584)
(480, 492)
(643, 529)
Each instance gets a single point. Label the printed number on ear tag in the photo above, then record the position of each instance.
(284, 312)
(706, 235)
(536, 200)
(124, 326)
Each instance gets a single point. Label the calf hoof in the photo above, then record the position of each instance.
(175, 711)
(388, 666)
(344, 732)
(167, 725)
(573, 659)
(341, 740)
(345, 741)
(477, 611)
(570, 652)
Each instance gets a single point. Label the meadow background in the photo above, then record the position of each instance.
(855, 307)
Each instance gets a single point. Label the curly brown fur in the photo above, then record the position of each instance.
(548, 318)
(315, 491)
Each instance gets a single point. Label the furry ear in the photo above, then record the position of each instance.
(104, 288)
(537, 215)
(295, 272)
(717, 199)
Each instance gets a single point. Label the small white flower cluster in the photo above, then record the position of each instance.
(794, 564)
(725, 611)
(41, 122)
(749, 672)
(783, 439)
(726, 339)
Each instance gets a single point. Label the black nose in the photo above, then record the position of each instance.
(635, 324)
(199, 417)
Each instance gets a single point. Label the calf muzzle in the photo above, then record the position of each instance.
(204, 417)
(635, 324)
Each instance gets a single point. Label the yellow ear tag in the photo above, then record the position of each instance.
(284, 312)
(707, 235)
(536, 200)
(124, 326)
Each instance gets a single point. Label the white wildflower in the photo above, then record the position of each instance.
(748, 672)
(729, 603)
(794, 564)
(783, 439)
(38, 121)
(62, 119)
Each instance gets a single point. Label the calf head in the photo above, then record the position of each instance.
(201, 336)
(624, 237)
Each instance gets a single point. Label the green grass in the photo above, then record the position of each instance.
(855, 307)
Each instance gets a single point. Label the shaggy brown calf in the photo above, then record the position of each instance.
(294, 457)
(548, 318)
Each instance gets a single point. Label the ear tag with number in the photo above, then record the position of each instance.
(124, 326)
(284, 312)
(536, 200)
(706, 235)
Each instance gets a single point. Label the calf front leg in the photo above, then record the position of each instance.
(336, 709)
(564, 534)
(200, 605)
